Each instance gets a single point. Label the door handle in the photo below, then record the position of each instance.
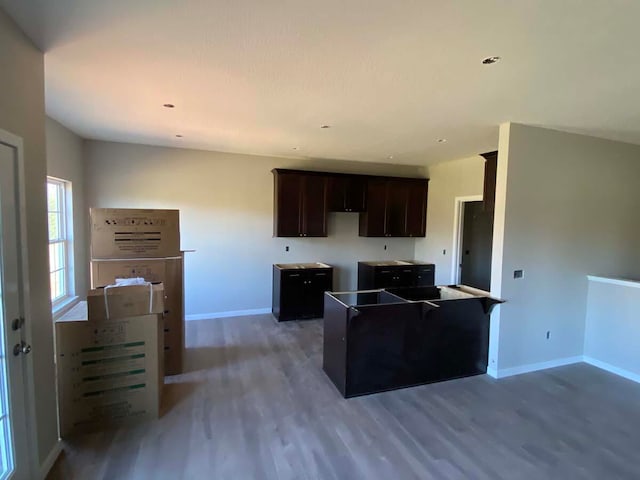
(21, 348)
(17, 323)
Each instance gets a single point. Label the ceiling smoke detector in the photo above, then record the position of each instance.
(178, 136)
(442, 140)
(169, 105)
(325, 126)
(490, 60)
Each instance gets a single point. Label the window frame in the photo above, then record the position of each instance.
(65, 237)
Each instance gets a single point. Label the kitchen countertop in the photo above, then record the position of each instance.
(298, 266)
(393, 263)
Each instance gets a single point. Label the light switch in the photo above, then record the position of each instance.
(518, 273)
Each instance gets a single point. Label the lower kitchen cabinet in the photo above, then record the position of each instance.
(395, 273)
(298, 290)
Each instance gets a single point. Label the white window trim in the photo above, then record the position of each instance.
(66, 302)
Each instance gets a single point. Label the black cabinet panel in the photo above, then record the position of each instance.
(288, 189)
(300, 204)
(299, 293)
(373, 221)
(372, 276)
(396, 207)
(425, 276)
(347, 193)
(388, 206)
(314, 206)
(416, 216)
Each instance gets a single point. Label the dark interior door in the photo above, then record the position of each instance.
(477, 238)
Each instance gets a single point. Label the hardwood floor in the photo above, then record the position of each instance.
(255, 404)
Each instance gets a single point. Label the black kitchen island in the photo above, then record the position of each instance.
(381, 340)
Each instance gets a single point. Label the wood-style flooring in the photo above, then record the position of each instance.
(255, 404)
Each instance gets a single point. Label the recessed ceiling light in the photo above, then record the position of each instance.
(178, 136)
(296, 148)
(325, 126)
(442, 140)
(390, 157)
(169, 105)
(490, 60)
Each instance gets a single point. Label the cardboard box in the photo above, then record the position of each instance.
(109, 373)
(169, 271)
(117, 302)
(134, 233)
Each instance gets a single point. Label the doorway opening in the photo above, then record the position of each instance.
(473, 242)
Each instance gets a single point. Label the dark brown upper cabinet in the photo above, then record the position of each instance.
(396, 207)
(300, 204)
(490, 172)
(347, 193)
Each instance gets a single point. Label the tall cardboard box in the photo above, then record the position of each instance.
(170, 272)
(134, 233)
(109, 371)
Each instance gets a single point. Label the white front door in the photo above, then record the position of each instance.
(14, 454)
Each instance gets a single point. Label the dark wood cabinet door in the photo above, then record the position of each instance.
(347, 193)
(294, 300)
(318, 282)
(425, 275)
(336, 193)
(355, 197)
(373, 221)
(314, 206)
(384, 278)
(287, 203)
(405, 276)
(416, 216)
(396, 208)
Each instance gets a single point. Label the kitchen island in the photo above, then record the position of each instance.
(379, 340)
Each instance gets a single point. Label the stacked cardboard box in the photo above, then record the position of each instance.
(109, 362)
(129, 243)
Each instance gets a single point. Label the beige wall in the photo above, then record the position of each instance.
(226, 204)
(458, 178)
(566, 206)
(64, 161)
(22, 113)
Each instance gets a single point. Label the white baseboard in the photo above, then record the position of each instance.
(532, 367)
(50, 460)
(232, 313)
(612, 369)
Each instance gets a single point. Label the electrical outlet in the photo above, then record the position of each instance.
(444, 252)
(385, 247)
(286, 249)
(548, 334)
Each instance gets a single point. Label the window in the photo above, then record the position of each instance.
(60, 244)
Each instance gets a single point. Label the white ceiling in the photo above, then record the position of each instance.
(390, 77)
